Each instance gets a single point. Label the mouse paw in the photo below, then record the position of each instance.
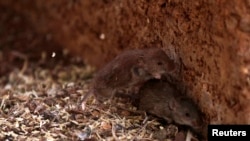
(83, 105)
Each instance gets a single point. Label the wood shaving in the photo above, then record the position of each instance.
(44, 103)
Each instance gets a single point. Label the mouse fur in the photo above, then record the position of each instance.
(128, 71)
(162, 99)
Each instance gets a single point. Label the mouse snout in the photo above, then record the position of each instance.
(157, 76)
(158, 73)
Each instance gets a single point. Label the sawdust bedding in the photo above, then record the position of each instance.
(41, 101)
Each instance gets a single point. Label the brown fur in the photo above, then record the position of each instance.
(128, 71)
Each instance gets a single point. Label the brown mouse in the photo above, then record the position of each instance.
(127, 72)
(164, 100)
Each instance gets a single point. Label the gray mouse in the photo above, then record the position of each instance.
(128, 71)
(164, 100)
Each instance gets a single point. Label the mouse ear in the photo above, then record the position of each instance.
(138, 71)
(172, 105)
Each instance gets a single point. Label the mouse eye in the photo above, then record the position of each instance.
(159, 63)
(187, 114)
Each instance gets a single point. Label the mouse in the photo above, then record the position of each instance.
(128, 71)
(162, 99)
